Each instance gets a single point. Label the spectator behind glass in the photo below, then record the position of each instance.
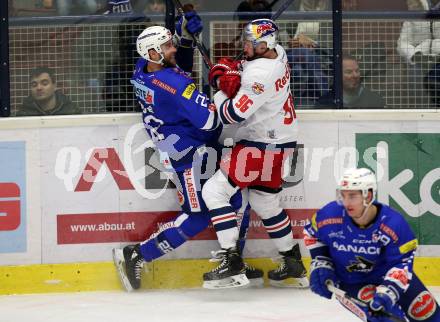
(356, 95)
(155, 7)
(311, 34)
(45, 98)
(256, 6)
(12, 11)
(308, 33)
(118, 7)
(310, 55)
(419, 46)
(72, 7)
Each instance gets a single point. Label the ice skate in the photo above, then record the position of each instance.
(129, 264)
(231, 272)
(291, 271)
(254, 275)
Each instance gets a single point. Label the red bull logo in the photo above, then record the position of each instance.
(262, 29)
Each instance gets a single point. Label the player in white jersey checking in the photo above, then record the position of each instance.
(267, 133)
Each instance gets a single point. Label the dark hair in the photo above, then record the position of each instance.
(41, 70)
(349, 57)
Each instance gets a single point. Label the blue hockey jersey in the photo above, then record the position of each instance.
(380, 253)
(180, 120)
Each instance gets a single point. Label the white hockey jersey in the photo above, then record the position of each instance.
(264, 104)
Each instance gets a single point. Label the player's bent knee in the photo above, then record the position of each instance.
(217, 191)
(192, 224)
(266, 205)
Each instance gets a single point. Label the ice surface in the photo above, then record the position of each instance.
(233, 305)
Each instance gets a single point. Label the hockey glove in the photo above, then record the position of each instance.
(321, 273)
(385, 300)
(187, 25)
(230, 83)
(224, 64)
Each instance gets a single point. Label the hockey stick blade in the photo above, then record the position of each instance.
(343, 294)
(196, 40)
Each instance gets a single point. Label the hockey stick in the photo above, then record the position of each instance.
(272, 4)
(274, 17)
(196, 40)
(281, 9)
(344, 295)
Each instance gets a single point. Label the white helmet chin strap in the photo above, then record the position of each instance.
(160, 61)
(367, 206)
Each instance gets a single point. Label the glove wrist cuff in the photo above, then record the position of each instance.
(184, 42)
(324, 258)
(388, 291)
(321, 262)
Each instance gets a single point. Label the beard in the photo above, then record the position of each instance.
(168, 63)
(250, 58)
(256, 56)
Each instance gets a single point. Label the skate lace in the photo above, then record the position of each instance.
(282, 262)
(217, 256)
(248, 267)
(138, 268)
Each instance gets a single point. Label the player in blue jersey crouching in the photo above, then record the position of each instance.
(184, 127)
(366, 249)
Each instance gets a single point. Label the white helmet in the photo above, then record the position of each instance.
(152, 38)
(260, 30)
(358, 179)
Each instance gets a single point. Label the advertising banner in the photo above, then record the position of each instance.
(409, 168)
(102, 186)
(13, 197)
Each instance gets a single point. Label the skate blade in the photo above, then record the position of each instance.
(256, 282)
(118, 259)
(301, 282)
(239, 280)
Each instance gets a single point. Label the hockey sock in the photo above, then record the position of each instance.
(225, 224)
(279, 229)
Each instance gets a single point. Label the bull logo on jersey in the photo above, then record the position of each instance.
(257, 88)
(360, 265)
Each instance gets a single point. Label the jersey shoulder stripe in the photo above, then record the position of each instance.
(228, 114)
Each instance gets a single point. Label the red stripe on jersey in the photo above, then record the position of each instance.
(226, 113)
(272, 229)
(222, 218)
